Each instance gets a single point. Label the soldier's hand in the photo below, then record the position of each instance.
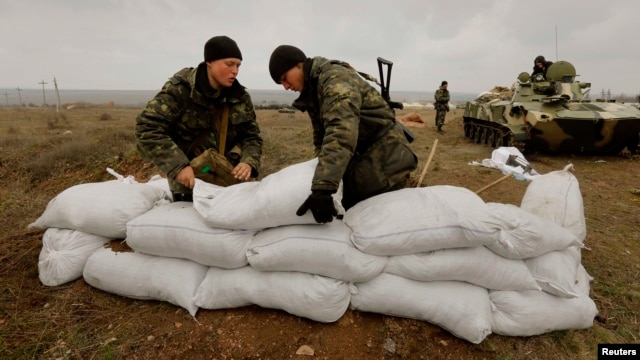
(321, 205)
(186, 177)
(242, 171)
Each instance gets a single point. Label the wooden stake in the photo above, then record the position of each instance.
(426, 166)
(493, 183)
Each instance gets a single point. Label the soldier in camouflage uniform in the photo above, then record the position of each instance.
(442, 105)
(355, 135)
(178, 123)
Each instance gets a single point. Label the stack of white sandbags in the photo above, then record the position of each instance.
(564, 302)
(290, 259)
(475, 268)
(438, 254)
(83, 218)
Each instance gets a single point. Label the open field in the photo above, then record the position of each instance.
(42, 153)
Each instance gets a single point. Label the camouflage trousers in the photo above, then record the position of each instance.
(440, 115)
(385, 166)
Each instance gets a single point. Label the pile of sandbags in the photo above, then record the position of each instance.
(497, 93)
(438, 254)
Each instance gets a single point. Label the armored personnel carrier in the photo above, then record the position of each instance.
(552, 115)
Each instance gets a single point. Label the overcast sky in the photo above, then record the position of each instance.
(475, 45)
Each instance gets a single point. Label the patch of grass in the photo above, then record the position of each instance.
(37, 162)
(105, 116)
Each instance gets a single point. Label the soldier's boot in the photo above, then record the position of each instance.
(440, 129)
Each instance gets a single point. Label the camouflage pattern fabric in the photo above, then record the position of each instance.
(442, 105)
(177, 124)
(355, 135)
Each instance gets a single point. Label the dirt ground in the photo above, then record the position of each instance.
(76, 321)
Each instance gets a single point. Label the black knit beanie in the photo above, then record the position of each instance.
(443, 83)
(539, 59)
(283, 58)
(221, 47)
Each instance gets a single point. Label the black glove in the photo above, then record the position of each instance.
(321, 205)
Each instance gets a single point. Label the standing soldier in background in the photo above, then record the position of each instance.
(442, 105)
(202, 124)
(355, 134)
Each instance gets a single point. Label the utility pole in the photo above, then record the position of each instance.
(55, 85)
(6, 97)
(44, 101)
(19, 95)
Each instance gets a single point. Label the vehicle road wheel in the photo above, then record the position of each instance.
(491, 138)
(478, 135)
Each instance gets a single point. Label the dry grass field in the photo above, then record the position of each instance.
(42, 154)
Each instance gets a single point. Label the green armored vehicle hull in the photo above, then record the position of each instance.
(552, 115)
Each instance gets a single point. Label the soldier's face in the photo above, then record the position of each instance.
(223, 72)
(293, 79)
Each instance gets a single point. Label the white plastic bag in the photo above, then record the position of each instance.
(460, 308)
(270, 202)
(529, 234)
(101, 208)
(316, 249)
(556, 196)
(528, 313)
(476, 265)
(556, 271)
(145, 277)
(311, 296)
(415, 220)
(64, 254)
(177, 230)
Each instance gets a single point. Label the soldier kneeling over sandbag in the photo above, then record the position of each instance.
(202, 124)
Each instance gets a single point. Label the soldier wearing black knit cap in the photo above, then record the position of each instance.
(192, 114)
(540, 67)
(356, 138)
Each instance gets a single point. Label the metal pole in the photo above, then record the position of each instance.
(44, 102)
(19, 95)
(556, 42)
(55, 84)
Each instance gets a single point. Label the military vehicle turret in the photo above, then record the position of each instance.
(552, 115)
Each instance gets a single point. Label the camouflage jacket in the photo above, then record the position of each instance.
(442, 98)
(177, 124)
(347, 115)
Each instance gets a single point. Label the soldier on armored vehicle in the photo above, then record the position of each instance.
(540, 67)
(552, 113)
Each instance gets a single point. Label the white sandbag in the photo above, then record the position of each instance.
(583, 280)
(311, 296)
(462, 309)
(529, 234)
(556, 271)
(64, 253)
(476, 265)
(527, 313)
(102, 208)
(161, 183)
(316, 249)
(145, 277)
(270, 202)
(556, 196)
(415, 220)
(177, 230)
